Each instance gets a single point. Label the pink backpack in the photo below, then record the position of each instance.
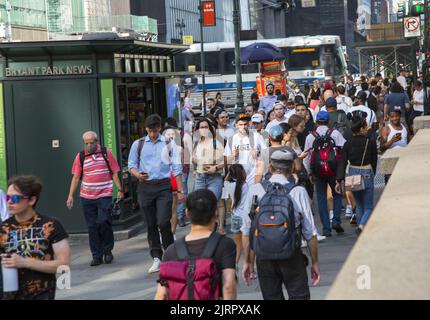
(192, 278)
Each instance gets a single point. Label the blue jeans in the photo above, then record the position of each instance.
(99, 222)
(213, 182)
(321, 189)
(364, 198)
(181, 206)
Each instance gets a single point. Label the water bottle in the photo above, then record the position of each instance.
(10, 279)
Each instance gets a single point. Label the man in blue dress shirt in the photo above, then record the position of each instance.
(151, 161)
(267, 102)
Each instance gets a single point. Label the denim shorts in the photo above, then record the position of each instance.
(236, 223)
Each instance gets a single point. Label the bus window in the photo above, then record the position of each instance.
(180, 64)
(303, 58)
(228, 62)
(212, 62)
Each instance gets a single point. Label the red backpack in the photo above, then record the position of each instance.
(325, 155)
(192, 278)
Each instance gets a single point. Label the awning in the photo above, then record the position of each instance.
(82, 47)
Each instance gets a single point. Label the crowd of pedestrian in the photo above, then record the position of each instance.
(260, 176)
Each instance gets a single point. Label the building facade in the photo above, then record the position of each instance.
(380, 13)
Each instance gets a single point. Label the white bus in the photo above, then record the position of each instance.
(308, 58)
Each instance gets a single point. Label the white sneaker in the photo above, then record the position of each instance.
(320, 237)
(155, 266)
(348, 212)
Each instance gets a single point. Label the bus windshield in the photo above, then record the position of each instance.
(303, 58)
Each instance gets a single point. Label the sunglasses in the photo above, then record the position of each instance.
(15, 198)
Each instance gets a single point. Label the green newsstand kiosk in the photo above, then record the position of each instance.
(52, 92)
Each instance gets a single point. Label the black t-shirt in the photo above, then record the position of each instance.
(225, 253)
(33, 239)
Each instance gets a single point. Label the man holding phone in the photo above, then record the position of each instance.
(151, 160)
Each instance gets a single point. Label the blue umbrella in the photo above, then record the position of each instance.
(260, 52)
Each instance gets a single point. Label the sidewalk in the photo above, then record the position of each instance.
(127, 278)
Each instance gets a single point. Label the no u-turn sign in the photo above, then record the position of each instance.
(412, 26)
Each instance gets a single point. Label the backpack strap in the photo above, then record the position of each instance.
(139, 149)
(103, 151)
(181, 249)
(265, 183)
(82, 159)
(212, 244)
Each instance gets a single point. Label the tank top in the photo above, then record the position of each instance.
(315, 95)
(403, 142)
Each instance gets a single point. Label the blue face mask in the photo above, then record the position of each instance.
(91, 148)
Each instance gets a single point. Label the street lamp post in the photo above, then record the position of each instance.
(236, 23)
(202, 58)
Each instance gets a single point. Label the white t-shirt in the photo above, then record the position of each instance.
(246, 158)
(275, 122)
(339, 140)
(289, 113)
(240, 209)
(371, 117)
(419, 96)
(301, 203)
(4, 214)
(344, 103)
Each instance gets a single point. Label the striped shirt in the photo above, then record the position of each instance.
(96, 179)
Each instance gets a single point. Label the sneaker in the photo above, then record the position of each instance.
(348, 212)
(108, 258)
(327, 234)
(320, 237)
(338, 228)
(353, 219)
(182, 223)
(155, 266)
(96, 262)
(358, 231)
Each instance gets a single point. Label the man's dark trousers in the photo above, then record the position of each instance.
(156, 201)
(291, 273)
(99, 222)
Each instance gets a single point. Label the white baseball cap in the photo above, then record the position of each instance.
(257, 118)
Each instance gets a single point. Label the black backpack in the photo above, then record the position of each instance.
(103, 151)
(340, 122)
(325, 155)
(371, 102)
(275, 236)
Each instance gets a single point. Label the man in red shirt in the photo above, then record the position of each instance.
(97, 172)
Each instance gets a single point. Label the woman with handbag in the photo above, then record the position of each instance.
(362, 155)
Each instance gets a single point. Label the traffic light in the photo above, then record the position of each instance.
(418, 9)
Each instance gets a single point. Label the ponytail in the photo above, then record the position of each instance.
(237, 174)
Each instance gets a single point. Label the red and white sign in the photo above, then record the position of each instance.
(412, 27)
(209, 17)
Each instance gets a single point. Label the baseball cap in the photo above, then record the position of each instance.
(282, 158)
(331, 102)
(323, 116)
(397, 109)
(243, 116)
(361, 95)
(257, 118)
(276, 132)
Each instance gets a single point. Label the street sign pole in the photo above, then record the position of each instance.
(236, 23)
(425, 62)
